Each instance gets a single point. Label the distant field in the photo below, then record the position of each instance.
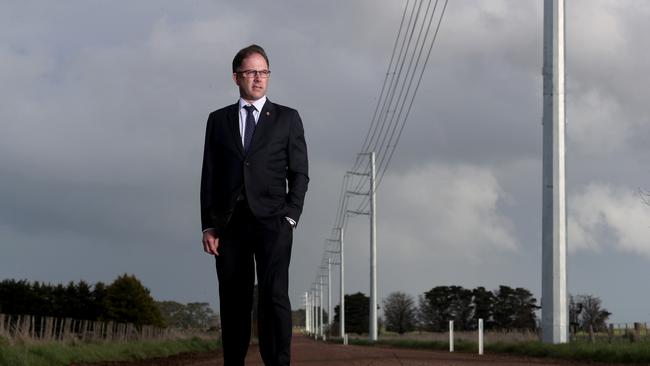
(494, 336)
(618, 352)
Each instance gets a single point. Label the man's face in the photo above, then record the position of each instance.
(254, 87)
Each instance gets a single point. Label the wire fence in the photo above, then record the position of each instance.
(16, 328)
(615, 333)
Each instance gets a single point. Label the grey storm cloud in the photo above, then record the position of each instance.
(103, 109)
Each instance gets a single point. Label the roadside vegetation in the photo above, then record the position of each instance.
(66, 353)
(625, 353)
(45, 324)
(510, 323)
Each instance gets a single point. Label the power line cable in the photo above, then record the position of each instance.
(394, 82)
(382, 170)
(383, 86)
(377, 131)
(405, 53)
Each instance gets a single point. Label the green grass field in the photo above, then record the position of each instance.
(60, 354)
(575, 351)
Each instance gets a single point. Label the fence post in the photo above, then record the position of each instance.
(480, 336)
(451, 336)
(610, 332)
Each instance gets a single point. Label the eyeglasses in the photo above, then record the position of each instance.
(249, 74)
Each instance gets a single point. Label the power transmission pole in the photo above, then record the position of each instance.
(329, 294)
(342, 286)
(341, 253)
(554, 229)
(314, 311)
(308, 311)
(372, 331)
(373, 252)
(320, 305)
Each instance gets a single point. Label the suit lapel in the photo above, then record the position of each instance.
(233, 125)
(264, 126)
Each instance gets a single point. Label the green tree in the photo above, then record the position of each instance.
(128, 301)
(98, 302)
(593, 317)
(575, 309)
(357, 309)
(200, 314)
(444, 303)
(514, 308)
(58, 308)
(16, 297)
(195, 315)
(483, 301)
(173, 314)
(298, 317)
(400, 312)
(77, 301)
(461, 307)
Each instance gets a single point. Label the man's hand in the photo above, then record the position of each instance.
(210, 242)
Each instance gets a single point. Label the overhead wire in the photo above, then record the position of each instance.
(387, 150)
(395, 75)
(417, 86)
(384, 133)
(402, 96)
(378, 131)
(387, 107)
(383, 86)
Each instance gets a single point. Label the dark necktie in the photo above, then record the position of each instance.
(250, 126)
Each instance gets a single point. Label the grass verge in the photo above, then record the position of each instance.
(628, 353)
(578, 351)
(63, 354)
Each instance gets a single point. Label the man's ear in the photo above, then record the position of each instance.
(234, 78)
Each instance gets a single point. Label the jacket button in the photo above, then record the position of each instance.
(247, 163)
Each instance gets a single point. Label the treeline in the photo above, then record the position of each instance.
(194, 315)
(505, 308)
(125, 300)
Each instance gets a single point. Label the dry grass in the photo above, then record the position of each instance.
(27, 329)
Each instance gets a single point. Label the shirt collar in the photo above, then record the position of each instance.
(258, 103)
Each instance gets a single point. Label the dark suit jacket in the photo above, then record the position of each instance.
(273, 173)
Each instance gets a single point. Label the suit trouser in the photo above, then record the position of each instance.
(247, 245)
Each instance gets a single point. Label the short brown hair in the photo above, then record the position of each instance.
(245, 52)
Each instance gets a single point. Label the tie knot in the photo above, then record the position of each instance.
(250, 108)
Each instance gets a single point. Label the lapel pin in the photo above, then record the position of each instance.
(268, 113)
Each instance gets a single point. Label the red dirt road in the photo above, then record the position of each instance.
(306, 351)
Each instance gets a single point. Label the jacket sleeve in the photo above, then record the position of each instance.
(297, 170)
(207, 181)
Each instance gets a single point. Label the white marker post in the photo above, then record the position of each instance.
(451, 336)
(480, 336)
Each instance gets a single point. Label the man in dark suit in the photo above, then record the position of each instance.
(253, 186)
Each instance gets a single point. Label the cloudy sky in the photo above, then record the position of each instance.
(102, 117)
